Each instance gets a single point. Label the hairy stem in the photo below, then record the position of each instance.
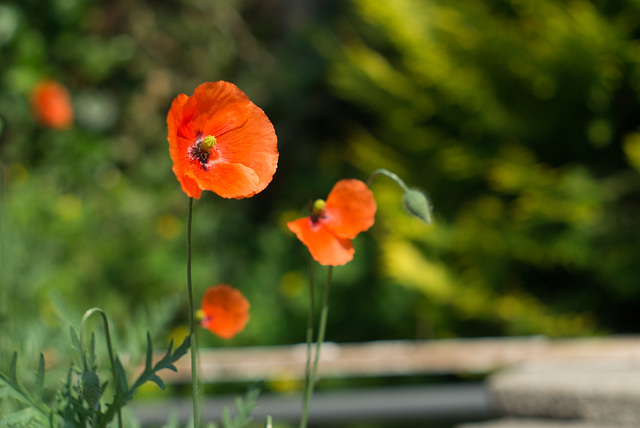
(391, 175)
(307, 373)
(112, 360)
(322, 328)
(192, 326)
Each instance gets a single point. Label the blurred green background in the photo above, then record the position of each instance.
(520, 119)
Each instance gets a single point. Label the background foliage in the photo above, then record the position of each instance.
(519, 118)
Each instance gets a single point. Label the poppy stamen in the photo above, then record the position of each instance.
(317, 211)
(200, 150)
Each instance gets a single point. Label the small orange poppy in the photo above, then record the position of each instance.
(328, 231)
(220, 141)
(225, 311)
(51, 105)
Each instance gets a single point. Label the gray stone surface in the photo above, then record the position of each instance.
(541, 423)
(605, 392)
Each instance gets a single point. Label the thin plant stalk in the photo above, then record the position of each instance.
(112, 360)
(322, 328)
(193, 332)
(391, 175)
(311, 319)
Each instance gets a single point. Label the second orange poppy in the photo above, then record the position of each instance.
(328, 231)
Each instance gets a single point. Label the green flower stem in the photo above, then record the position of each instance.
(112, 360)
(192, 326)
(322, 328)
(307, 373)
(391, 175)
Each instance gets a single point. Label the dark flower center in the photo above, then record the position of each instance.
(200, 150)
(317, 211)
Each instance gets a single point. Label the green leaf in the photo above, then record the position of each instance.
(244, 407)
(227, 421)
(122, 376)
(24, 417)
(19, 392)
(149, 373)
(75, 341)
(156, 379)
(39, 386)
(182, 349)
(13, 377)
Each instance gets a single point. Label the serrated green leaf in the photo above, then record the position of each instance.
(23, 417)
(122, 376)
(182, 349)
(170, 348)
(75, 341)
(227, 422)
(244, 407)
(11, 390)
(39, 386)
(156, 379)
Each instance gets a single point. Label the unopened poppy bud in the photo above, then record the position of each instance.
(417, 204)
(91, 389)
(208, 142)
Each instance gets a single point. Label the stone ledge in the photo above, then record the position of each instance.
(541, 423)
(606, 391)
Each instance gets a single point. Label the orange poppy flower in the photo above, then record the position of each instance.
(328, 231)
(51, 105)
(225, 311)
(220, 141)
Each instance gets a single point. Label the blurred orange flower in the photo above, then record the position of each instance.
(225, 311)
(328, 231)
(51, 105)
(220, 141)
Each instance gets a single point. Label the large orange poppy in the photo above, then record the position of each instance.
(51, 105)
(328, 231)
(220, 141)
(225, 311)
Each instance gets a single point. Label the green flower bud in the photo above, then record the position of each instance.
(91, 389)
(417, 204)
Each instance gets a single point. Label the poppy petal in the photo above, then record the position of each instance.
(189, 185)
(254, 145)
(217, 108)
(350, 208)
(325, 248)
(226, 311)
(229, 180)
(174, 118)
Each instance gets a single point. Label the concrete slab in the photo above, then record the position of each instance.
(606, 392)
